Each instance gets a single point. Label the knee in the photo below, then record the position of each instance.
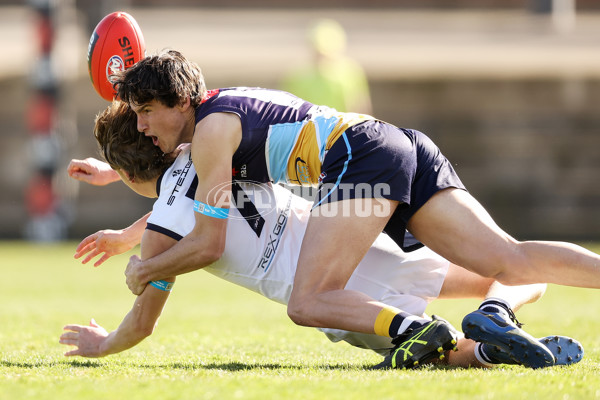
(511, 276)
(513, 267)
(299, 310)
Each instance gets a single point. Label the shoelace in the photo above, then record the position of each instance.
(402, 337)
(514, 319)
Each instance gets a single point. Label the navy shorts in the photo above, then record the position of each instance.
(378, 160)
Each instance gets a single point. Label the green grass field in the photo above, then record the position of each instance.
(219, 341)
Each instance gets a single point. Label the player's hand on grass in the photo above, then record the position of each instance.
(132, 276)
(92, 171)
(87, 339)
(106, 242)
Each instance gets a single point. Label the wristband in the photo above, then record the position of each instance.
(210, 211)
(163, 285)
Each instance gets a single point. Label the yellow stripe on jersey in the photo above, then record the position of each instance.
(304, 165)
(315, 138)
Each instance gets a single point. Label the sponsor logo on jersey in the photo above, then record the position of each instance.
(302, 173)
(182, 175)
(275, 237)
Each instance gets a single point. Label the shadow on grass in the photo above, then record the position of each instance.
(232, 366)
(46, 364)
(239, 366)
(191, 366)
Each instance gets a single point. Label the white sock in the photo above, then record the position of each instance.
(481, 356)
(495, 304)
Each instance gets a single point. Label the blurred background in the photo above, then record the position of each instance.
(509, 90)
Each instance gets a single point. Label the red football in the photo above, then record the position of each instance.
(116, 44)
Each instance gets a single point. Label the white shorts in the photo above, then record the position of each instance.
(407, 281)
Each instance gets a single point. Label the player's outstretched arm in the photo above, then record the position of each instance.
(92, 171)
(94, 341)
(110, 242)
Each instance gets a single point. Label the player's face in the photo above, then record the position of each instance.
(167, 126)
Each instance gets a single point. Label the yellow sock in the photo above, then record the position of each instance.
(384, 320)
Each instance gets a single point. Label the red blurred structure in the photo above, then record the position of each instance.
(42, 202)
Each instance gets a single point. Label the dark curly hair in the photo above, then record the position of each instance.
(124, 148)
(167, 77)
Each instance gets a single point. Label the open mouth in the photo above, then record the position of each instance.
(154, 140)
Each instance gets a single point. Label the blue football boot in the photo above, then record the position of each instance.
(495, 330)
(566, 350)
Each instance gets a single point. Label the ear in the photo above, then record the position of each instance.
(125, 176)
(184, 104)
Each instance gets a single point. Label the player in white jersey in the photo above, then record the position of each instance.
(264, 235)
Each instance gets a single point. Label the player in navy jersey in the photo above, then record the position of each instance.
(264, 235)
(372, 177)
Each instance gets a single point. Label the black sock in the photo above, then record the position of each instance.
(403, 321)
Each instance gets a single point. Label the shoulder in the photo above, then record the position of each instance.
(222, 127)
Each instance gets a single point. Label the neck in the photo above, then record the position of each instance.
(190, 126)
(146, 189)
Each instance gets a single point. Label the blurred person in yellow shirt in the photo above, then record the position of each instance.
(332, 77)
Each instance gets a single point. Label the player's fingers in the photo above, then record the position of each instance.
(105, 257)
(86, 242)
(91, 255)
(80, 176)
(75, 163)
(69, 335)
(84, 251)
(69, 342)
(67, 339)
(73, 327)
(74, 167)
(75, 352)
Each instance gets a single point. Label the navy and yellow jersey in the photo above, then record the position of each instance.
(284, 138)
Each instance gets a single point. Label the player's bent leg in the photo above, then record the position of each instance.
(336, 239)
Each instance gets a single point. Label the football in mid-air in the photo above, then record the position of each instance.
(116, 44)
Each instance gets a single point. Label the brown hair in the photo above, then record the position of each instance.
(124, 148)
(167, 77)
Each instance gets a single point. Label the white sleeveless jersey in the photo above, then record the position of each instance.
(264, 235)
(260, 256)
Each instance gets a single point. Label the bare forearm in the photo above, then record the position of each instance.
(188, 255)
(138, 324)
(123, 338)
(135, 231)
